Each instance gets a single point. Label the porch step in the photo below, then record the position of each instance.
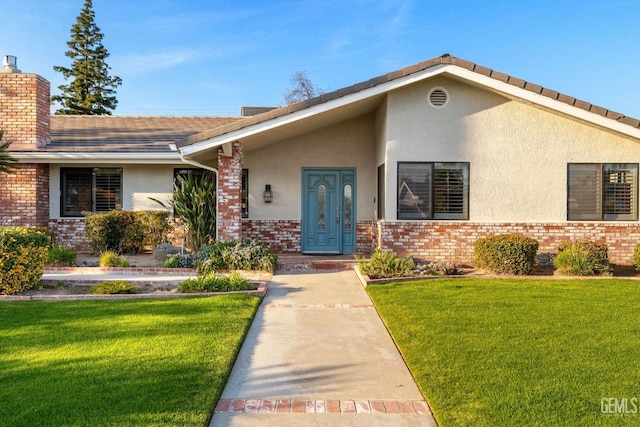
(302, 263)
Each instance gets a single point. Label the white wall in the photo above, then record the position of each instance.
(139, 183)
(518, 153)
(348, 144)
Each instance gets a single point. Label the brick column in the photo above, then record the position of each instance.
(24, 196)
(229, 192)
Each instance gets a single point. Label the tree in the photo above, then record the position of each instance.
(6, 161)
(301, 89)
(91, 90)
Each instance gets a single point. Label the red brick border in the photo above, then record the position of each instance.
(329, 406)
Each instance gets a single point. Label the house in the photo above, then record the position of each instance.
(423, 160)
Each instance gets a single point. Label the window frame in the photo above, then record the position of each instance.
(430, 174)
(92, 188)
(600, 189)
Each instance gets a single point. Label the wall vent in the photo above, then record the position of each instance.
(438, 97)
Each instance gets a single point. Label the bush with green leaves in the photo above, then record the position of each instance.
(194, 200)
(112, 259)
(215, 283)
(235, 255)
(126, 231)
(178, 261)
(114, 287)
(383, 265)
(636, 256)
(582, 258)
(506, 254)
(23, 255)
(61, 256)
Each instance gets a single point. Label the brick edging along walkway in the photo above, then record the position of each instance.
(302, 406)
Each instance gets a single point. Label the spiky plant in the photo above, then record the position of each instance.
(6, 161)
(194, 200)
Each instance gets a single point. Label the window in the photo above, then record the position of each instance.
(602, 191)
(245, 193)
(433, 190)
(90, 189)
(381, 191)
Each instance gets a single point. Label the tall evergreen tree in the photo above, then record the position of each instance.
(91, 90)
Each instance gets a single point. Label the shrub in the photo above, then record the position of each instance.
(636, 256)
(23, 254)
(215, 283)
(235, 255)
(178, 261)
(582, 258)
(386, 264)
(114, 287)
(126, 231)
(506, 254)
(112, 259)
(194, 200)
(61, 256)
(155, 227)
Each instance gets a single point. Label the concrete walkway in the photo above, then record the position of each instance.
(317, 354)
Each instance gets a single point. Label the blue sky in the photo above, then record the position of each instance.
(209, 57)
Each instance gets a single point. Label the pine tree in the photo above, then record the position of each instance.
(91, 91)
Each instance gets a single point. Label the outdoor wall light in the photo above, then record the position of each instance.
(268, 195)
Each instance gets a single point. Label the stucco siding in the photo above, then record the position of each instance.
(346, 145)
(139, 182)
(518, 153)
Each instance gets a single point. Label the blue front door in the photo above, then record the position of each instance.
(328, 211)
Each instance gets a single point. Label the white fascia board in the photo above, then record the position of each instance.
(450, 69)
(545, 101)
(118, 158)
(364, 94)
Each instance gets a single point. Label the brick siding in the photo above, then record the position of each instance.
(284, 236)
(453, 241)
(229, 191)
(24, 196)
(24, 110)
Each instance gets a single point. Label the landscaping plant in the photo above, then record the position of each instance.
(178, 261)
(112, 259)
(235, 255)
(114, 287)
(636, 256)
(126, 231)
(194, 200)
(23, 255)
(61, 256)
(215, 283)
(582, 258)
(506, 254)
(383, 264)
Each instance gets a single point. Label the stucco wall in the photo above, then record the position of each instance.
(518, 153)
(139, 182)
(348, 144)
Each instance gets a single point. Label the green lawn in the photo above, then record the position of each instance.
(500, 352)
(144, 362)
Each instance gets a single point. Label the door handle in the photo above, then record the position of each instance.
(337, 215)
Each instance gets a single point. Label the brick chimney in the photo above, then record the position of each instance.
(24, 107)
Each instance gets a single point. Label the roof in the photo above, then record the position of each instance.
(440, 61)
(125, 133)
